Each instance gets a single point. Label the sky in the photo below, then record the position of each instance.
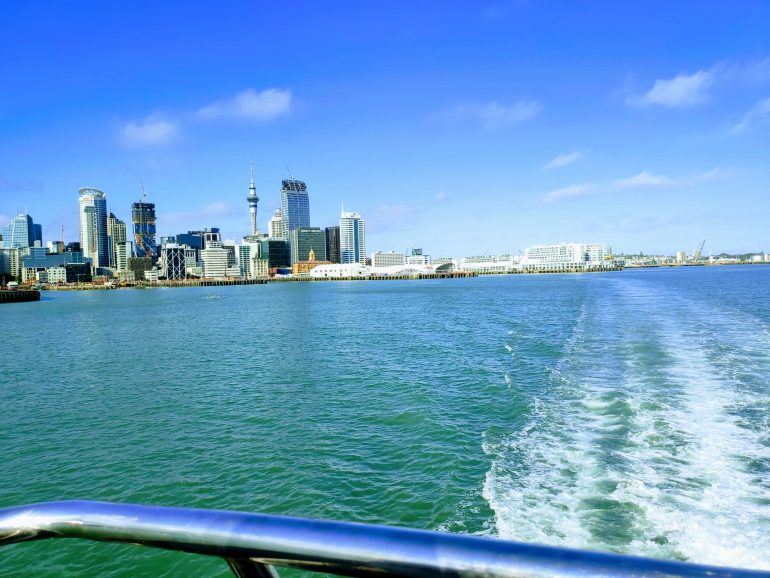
(463, 128)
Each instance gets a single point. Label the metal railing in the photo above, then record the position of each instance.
(252, 544)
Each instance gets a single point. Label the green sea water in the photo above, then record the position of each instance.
(625, 411)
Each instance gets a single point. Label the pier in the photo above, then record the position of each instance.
(18, 295)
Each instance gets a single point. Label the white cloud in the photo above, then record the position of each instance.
(757, 115)
(564, 160)
(680, 91)
(262, 106)
(648, 180)
(152, 131)
(569, 192)
(643, 179)
(493, 115)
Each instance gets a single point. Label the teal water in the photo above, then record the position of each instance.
(624, 411)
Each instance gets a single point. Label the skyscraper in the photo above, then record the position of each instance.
(21, 233)
(333, 244)
(295, 207)
(253, 200)
(93, 226)
(116, 233)
(274, 226)
(352, 238)
(143, 219)
(307, 239)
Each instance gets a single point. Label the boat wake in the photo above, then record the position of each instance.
(650, 436)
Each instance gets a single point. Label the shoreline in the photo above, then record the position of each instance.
(287, 279)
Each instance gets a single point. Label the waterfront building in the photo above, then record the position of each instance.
(92, 205)
(276, 251)
(340, 271)
(681, 257)
(190, 258)
(352, 238)
(143, 220)
(126, 276)
(249, 260)
(138, 265)
(275, 225)
(10, 262)
(116, 233)
(253, 200)
(38, 259)
(21, 233)
(490, 264)
(295, 207)
(567, 257)
(214, 259)
(306, 239)
(78, 272)
(332, 244)
(304, 267)
(439, 261)
(172, 261)
(391, 259)
(417, 259)
(152, 275)
(57, 275)
(123, 252)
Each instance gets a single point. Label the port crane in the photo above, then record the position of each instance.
(699, 251)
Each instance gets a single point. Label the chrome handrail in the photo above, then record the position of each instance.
(253, 543)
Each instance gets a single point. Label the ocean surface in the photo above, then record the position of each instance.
(625, 411)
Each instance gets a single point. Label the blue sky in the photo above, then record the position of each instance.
(460, 127)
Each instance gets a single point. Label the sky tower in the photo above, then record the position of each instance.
(252, 199)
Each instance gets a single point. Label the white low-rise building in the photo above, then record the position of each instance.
(391, 259)
(57, 275)
(340, 271)
(489, 264)
(152, 275)
(567, 257)
(417, 259)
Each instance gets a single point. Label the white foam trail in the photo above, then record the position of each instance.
(678, 483)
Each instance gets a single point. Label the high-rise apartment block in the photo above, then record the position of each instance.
(352, 238)
(93, 226)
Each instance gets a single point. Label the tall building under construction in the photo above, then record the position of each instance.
(143, 219)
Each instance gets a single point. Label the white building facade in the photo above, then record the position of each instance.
(352, 238)
(275, 225)
(391, 259)
(214, 259)
(490, 264)
(567, 257)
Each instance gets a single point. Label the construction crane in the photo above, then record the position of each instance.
(697, 253)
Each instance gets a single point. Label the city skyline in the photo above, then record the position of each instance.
(648, 135)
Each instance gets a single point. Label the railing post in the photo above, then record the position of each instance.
(245, 568)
